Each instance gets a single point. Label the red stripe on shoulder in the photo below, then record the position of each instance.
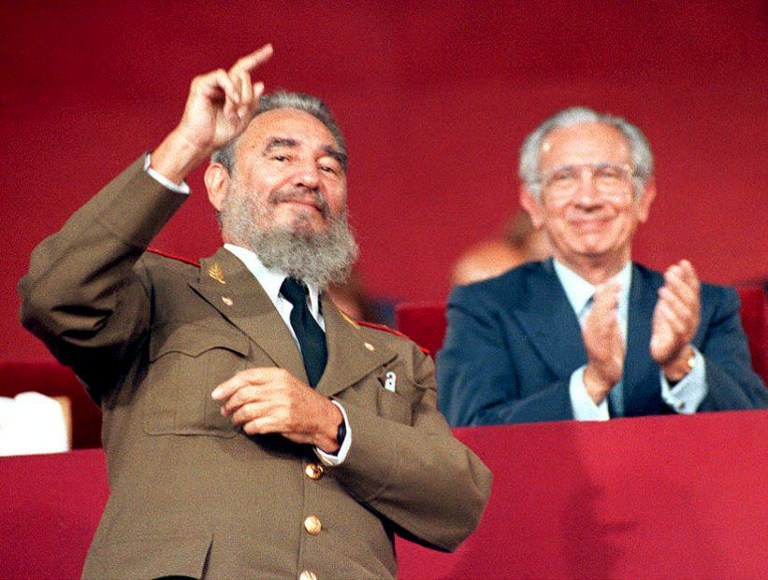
(390, 331)
(173, 257)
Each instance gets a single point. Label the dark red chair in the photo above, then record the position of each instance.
(754, 318)
(423, 322)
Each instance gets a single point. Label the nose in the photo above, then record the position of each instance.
(586, 193)
(307, 175)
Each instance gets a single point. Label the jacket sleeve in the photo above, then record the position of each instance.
(82, 295)
(483, 365)
(731, 382)
(418, 476)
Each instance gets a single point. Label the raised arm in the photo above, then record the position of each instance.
(220, 106)
(83, 291)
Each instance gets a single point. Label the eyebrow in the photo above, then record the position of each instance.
(340, 157)
(276, 142)
(288, 142)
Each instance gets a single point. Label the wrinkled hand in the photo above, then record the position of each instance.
(219, 107)
(604, 343)
(676, 319)
(271, 400)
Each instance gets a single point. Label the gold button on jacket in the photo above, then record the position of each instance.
(152, 337)
(312, 525)
(314, 470)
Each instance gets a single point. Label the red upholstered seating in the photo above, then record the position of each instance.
(422, 322)
(55, 380)
(425, 323)
(754, 317)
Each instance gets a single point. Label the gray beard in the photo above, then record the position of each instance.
(316, 258)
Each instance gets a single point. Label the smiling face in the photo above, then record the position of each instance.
(285, 198)
(288, 165)
(589, 225)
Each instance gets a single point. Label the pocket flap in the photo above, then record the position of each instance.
(194, 340)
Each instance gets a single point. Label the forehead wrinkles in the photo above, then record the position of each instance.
(291, 124)
(586, 143)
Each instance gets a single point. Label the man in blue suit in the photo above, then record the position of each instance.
(588, 334)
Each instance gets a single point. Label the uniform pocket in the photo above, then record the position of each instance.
(170, 554)
(185, 367)
(393, 406)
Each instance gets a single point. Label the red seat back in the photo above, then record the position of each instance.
(423, 322)
(754, 318)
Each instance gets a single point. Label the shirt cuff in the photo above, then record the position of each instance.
(686, 396)
(584, 408)
(333, 459)
(164, 181)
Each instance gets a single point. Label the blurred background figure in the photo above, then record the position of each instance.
(520, 242)
(356, 302)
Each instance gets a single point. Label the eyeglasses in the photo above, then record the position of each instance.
(607, 178)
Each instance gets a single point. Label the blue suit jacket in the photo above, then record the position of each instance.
(513, 342)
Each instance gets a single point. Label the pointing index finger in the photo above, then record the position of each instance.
(251, 61)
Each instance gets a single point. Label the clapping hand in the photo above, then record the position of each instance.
(676, 319)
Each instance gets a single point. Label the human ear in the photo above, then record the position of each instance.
(645, 201)
(217, 184)
(530, 203)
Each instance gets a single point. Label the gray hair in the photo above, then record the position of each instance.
(640, 150)
(287, 100)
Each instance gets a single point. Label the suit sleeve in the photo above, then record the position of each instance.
(731, 382)
(82, 295)
(417, 475)
(487, 372)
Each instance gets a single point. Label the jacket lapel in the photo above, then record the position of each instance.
(229, 287)
(550, 323)
(349, 359)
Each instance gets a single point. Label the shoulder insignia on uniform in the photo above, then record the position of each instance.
(215, 272)
(173, 257)
(385, 328)
(348, 318)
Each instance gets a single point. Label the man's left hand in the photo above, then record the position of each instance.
(271, 400)
(676, 319)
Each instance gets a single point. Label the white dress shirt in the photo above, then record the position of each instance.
(685, 397)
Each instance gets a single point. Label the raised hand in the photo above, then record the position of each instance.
(676, 319)
(604, 343)
(271, 400)
(219, 107)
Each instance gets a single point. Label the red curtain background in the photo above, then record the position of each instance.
(434, 98)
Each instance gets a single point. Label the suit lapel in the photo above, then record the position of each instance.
(349, 359)
(550, 323)
(229, 287)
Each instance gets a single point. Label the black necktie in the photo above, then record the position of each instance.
(309, 334)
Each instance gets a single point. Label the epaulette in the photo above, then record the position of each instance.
(386, 328)
(173, 257)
